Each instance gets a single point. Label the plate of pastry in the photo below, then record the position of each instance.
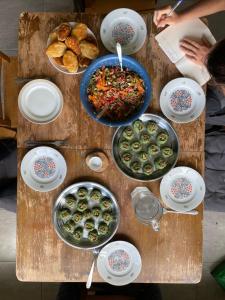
(43, 169)
(182, 189)
(146, 149)
(71, 47)
(86, 215)
(126, 27)
(119, 263)
(182, 100)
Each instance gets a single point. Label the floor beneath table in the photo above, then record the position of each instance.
(214, 223)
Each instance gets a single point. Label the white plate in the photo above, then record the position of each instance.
(61, 68)
(119, 263)
(43, 169)
(182, 189)
(182, 100)
(125, 26)
(40, 101)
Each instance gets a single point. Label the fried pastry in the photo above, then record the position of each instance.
(89, 50)
(73, 44)
(53, 36)
(56, 49)
(59, 61)
(63, 31)
(80, 31)
(84, 62)
(71, 69)
(70, 61)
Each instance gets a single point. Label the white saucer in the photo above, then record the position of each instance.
(182, 100)
(43, 169)
(40, 101)
(125, 26)
(182, 189)
(119, 263)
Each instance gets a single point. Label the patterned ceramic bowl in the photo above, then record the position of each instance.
(182, 189)
(126, 27)
(119, 263)
(182, 100)
(43, 169)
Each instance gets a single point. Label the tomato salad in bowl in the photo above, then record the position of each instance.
(121, 92)
(117, 96)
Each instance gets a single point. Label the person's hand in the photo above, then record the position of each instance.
(196, 52)
(161, 18)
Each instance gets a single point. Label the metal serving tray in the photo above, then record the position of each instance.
(172, 142)
(84, 243)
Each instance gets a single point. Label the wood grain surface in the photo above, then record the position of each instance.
(173, 255)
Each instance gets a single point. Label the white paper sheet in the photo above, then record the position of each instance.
(169, 40)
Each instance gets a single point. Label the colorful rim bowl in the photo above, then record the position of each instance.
(112, 60)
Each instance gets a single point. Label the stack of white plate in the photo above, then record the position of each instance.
(40, 101)
(119, 263)
(43, 169)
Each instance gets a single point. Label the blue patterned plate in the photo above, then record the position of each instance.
(182, 189)
(182, 100)
(43, 169)
(119, 263)
(126, 27)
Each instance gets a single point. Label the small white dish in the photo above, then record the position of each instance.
(119, 263)
(182, 100)
(95, 163)
(182, 189)
(40, 101)
(43, 169)
(126, 27)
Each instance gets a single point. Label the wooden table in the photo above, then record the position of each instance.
(173, 255)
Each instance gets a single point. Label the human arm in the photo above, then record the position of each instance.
(200, 9)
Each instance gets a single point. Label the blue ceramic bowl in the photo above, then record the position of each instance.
(112, 60)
